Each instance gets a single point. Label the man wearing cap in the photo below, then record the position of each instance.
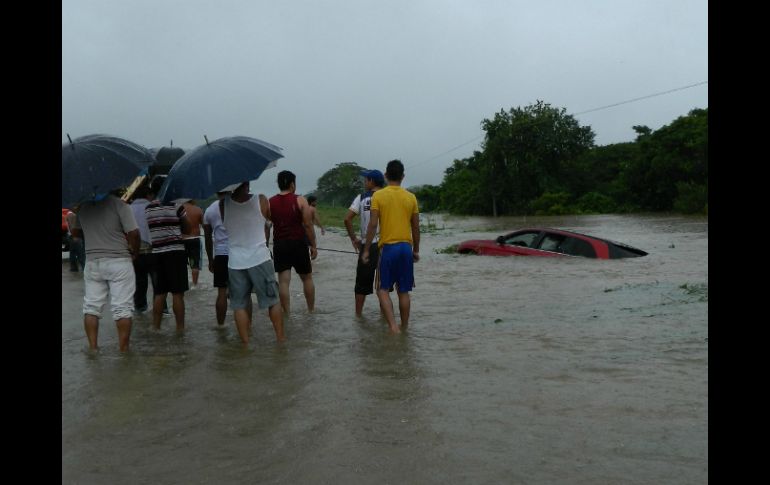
(373, 181)
(291, 224)
(395, 209)
(249, 266)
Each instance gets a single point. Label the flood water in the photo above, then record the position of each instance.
(514, 370)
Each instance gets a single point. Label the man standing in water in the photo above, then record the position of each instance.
(361, 206)
(191, 232)
(217, 250)
(249, 266)
(113, 240)
(395, 209)
(291, 225)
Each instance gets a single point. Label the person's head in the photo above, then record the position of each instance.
(312, 200)
(373, 178)
(241, 190)
(286, 179)
(395, 171)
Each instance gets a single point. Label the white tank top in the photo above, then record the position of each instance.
(245, 226)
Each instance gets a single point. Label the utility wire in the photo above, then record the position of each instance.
(574, 114)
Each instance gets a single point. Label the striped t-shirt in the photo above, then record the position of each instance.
(165, 223)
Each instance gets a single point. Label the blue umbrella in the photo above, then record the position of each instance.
(213, 166)
(93, 165)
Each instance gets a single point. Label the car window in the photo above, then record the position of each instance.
(551, 242)
(577, 247)
(524, 239)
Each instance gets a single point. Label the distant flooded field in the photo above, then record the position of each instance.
(514, 370)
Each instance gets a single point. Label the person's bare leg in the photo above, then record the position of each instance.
(91, 324)
(177, 304)
(387, 309)
(284, 279)
(360, 304)
(404, 306)
(158, 303)
(242, 323)
(195, 274)
(308, 288)
(276, 316)
(124, 333)
(221, 305)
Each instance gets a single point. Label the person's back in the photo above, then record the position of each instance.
(396, 211)
(249, 265)
(292, 235)
(191, 232)
(170, 258)
(113, 239)
(396, 206)
(287, 218)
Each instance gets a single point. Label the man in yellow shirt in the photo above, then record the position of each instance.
(395, 210)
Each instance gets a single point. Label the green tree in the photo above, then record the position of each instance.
(340, 185)
(526, 153)
(428, 197)
(671, 159)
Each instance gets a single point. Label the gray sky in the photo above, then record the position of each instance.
(368, 81)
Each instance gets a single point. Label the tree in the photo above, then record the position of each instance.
(526, 152)
(340, 185)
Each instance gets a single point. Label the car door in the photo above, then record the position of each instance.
(519, 243)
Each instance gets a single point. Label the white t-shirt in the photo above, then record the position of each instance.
(212, 218)
(362, 207)
(245, 226)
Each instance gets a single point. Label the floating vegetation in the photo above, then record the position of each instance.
(452, 249)
(701, 290)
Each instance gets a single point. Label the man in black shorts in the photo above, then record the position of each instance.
(291, 224)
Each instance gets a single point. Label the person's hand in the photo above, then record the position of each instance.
(416, 256)
(356, 244)
(313, 253)
(365, 256)
(211, 266)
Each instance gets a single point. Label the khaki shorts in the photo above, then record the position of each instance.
(260, 279)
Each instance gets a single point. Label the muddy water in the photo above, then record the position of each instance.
(514, 370)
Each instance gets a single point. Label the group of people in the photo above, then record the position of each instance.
(128, 243)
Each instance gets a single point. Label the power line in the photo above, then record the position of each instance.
(574, 114)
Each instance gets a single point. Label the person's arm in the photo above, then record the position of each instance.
(133, 242)
(264, 206)
(308, 224)
(416, 236)
(349, 226)
(374, 220)
(209, 242)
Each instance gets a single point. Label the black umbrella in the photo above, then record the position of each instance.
(213, 166)
(93, 165)
(165, 159)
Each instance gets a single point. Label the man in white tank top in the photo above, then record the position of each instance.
(249, 265)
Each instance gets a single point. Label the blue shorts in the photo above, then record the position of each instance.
(396, 267)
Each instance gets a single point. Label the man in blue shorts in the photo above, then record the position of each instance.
(395, 210)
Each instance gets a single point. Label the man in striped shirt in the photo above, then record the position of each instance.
(170, 271)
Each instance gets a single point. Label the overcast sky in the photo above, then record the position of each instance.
(368, 81)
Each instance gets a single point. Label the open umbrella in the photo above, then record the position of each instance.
(165, 159)
(93, 165)
(213, 166)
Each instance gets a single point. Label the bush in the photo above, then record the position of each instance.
(551, 204)
(691, 198)
(596, 203)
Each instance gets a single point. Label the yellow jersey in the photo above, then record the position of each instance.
(395, 206)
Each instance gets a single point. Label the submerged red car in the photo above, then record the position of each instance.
(549, 242)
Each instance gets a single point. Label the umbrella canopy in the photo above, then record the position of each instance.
(165, 159)
(93, 165)
(213, 166)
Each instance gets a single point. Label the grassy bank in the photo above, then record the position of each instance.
(333, 216)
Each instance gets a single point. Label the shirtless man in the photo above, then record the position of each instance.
(191, 232)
